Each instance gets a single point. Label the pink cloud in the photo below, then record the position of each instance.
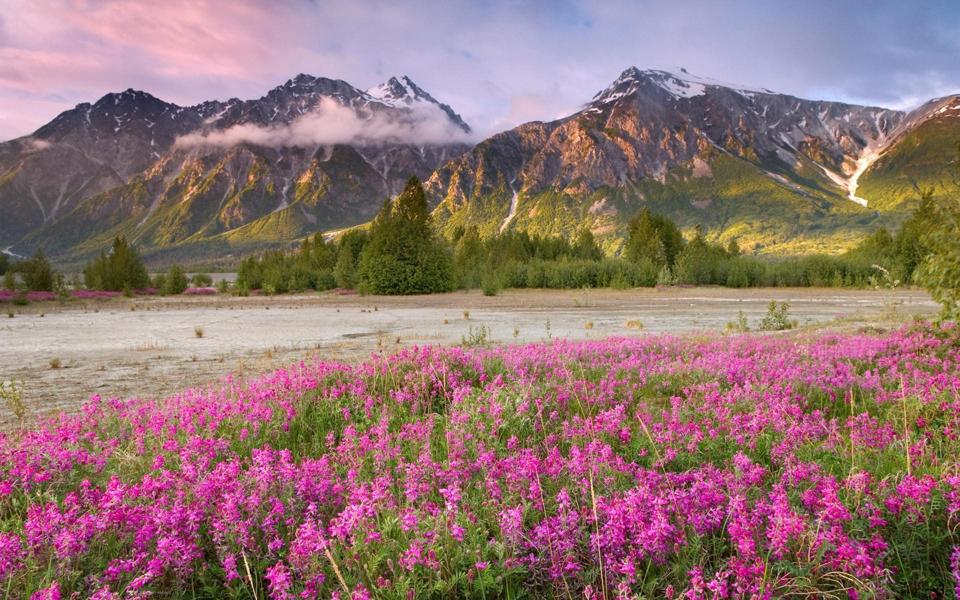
(184, 51)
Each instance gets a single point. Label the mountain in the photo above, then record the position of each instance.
(312, 154)
(780, 174)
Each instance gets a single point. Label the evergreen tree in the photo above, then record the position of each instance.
(4, 264)
(343, 272)
(585, 246)
(699, 261)
(37, 273)
(654, 238)
(912, 243)
(469, 257)
(939, 271)
(733, 248)
(120, 269)
(175, 281)
(403, 256)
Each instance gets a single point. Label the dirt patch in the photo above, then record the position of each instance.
(148, 346)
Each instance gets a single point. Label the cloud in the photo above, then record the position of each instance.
(493, 62)
(37, 145)
(332, 123)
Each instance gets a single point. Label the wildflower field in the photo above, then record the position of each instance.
(815, 465)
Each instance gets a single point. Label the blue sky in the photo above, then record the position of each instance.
(498, 63)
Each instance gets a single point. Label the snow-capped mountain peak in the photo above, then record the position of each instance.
(677, 82)
(400, 91)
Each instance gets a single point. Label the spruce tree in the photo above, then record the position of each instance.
(37, 273)
(120, 269)
(343, 272)
(699, 261)
(468, 258)
(654, 238)
(403, 255)
(175, 281)
(585, 246)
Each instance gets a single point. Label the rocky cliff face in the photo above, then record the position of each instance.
(701, 150)
(312, 154)
(780, 174)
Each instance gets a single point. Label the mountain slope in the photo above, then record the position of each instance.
(782, 175)
(921, 156)
(310, 155)
(777, 172)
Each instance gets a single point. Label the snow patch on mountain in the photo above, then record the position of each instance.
(867, 157)
(513, 209)
(679, 83)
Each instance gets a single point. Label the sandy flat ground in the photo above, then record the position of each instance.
(149, 347)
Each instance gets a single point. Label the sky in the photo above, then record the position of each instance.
(498, 63)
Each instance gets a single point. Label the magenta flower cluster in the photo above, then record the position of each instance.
(93, 294)
(200, 291)
(732, 467)
(33, 296)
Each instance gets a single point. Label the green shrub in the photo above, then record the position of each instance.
(777, 317)
(175, 281)
(201, 280)
(121, 268)
(491, 284)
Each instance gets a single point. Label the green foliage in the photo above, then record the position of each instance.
(939, 273)
(741, 325)
(175, 281)
(344, 272)
(201, 280)
(403, 255)
(37, 273)
(699, 263)
(11, 396)
(9, 280)
(490, 284)
(576, 274)
(277, 272)
(479, 336)
(777, 317)
(121, 268)
(926, 250)
(469, 258)
(585, 246)
(4, 263)
(654, 238)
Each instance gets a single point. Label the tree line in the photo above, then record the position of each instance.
(119, 269)
(401, 253)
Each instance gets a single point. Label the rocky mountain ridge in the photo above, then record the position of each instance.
(165, 174)
(780, 174)
(729, 157)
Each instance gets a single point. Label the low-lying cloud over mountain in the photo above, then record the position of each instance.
(312, 154)
(332, 123)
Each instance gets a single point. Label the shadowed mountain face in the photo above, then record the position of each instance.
(312, 154)
(780, 173)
